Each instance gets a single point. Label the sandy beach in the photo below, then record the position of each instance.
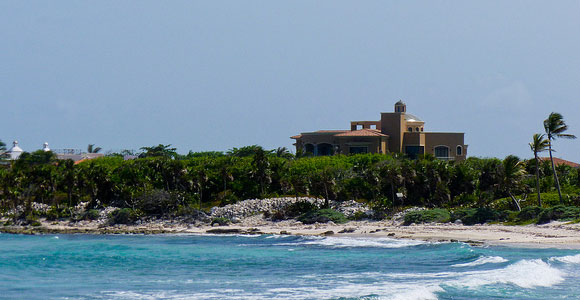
(554, 234)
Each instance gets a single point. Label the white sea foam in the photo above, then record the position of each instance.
(353, 242)
(524, 273)
(483, 260)
(569, 259)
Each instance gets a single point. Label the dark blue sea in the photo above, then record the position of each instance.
(277, 267)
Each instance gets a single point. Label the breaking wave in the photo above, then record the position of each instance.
(483, 260)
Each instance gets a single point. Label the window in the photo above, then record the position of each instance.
(421, 129)
(414, 151)
(373, 126)
(325, 149)
(410, 129)
(417, 129)
(359, 149)
(459, 150)
(441, 151)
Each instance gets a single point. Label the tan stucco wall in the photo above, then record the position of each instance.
(449, 139)
(413, 139)
(392, 125)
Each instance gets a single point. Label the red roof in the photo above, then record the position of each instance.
(362, 132)
(559, 161)
(330, 131)
(296, 136)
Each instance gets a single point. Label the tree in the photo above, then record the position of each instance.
(159, 151)
(539, 144)
(555, 128)
(2, 147)
(512, 173)
(92, 149)
(283, 153)
(261, 170)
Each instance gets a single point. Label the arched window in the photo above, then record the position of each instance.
(410, 129)
(459, 150)
(441, 151)
(417, 129)
(421, 129)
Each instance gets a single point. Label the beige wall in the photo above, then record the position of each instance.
(391, 125)
(413, 139)
(449, 139)
(365, 125)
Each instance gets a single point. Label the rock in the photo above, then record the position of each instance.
(284, 232)
(347, 230)
(391, 234)
(458, 222)
(330, 232)
(453, 241)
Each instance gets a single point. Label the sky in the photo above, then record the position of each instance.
(213, 75)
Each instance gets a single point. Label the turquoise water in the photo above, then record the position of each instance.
(277, 267)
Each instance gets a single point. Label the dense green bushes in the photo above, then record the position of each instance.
(157, 185)
(436, 215)
(564, 213)
(124, 216)
(471, 216)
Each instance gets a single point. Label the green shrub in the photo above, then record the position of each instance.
(323, 216)
(358, 216)
(292, 211)
(91, 214)
(471, 216)
(559, 212)
(437, 215)
(529, 212)
(52, 214)
(123, 216)
(157, 202)
(221, 221)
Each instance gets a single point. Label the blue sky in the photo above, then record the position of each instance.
(212, 75)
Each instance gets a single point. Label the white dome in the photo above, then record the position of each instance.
(15, 151)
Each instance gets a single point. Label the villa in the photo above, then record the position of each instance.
(395, 132)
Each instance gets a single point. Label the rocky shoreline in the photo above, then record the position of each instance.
(249, 217)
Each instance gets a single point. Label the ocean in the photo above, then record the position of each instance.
(277, 267)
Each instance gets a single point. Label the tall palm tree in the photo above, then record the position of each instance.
(555, 128)
(512, 173)
(92, 149)
(539, 144)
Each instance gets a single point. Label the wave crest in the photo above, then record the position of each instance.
(483, 260)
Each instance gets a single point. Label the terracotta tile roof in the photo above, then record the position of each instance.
(296, 136)
(330, 131)
(362, 132)
(559, 161)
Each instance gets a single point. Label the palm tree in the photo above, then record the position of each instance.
(512, 172)
(555, 128)
(92, 149)
(539, 144)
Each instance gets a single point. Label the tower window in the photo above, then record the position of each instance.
(410, 129)
(459, 150)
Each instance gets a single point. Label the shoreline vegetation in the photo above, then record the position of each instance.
(242, 220)
(390, 195)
